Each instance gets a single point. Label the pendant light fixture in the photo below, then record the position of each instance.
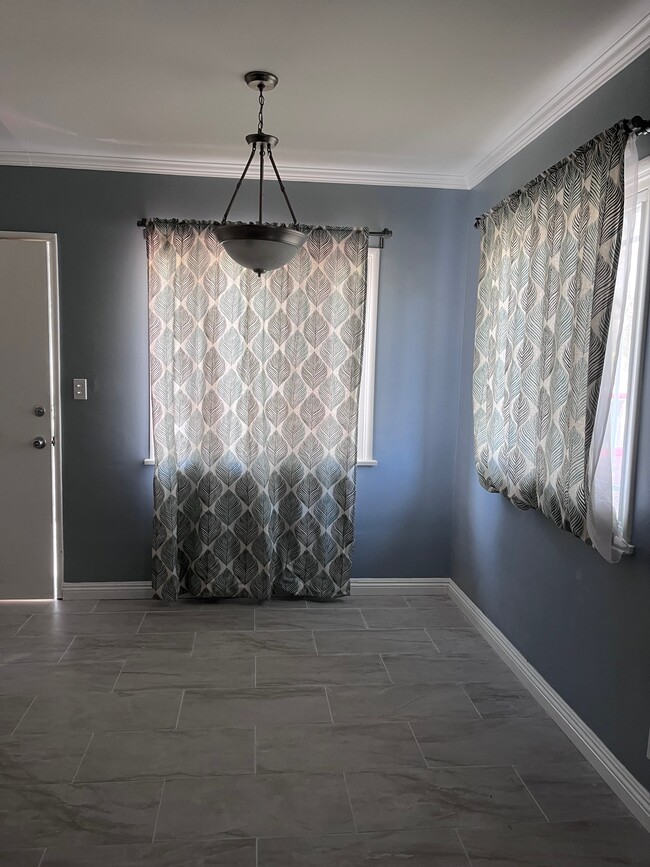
(261, 246)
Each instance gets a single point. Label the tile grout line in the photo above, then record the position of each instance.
(329, 706)
(257, 851)
(255, 749)
(365, 622)
(530, 793)
(255, 672)
(193, 645)
(92, 735)
(17, 632)
(155, 824)
(119, 674)
(66, 650)
(180, 707)
(424, 758)
(469, 860)
(458, 683)
(137, 631)
(313, 638)
(354, 821)
(23, 716)
(381, 656)
(42, 856)
(94, 608)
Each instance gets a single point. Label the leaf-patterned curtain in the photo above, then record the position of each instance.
(255, 388)
(549, 255)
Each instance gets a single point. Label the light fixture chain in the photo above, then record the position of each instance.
(260, 117)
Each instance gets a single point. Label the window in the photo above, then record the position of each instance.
(367, 386)
(626, 390)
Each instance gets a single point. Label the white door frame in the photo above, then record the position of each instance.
(50, 240)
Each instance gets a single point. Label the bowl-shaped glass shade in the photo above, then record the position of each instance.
(260, 247)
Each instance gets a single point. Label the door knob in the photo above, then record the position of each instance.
(39, 411)
(39, 443)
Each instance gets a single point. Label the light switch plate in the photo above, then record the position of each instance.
(80, 389)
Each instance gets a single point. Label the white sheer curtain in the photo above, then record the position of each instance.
(605, 456)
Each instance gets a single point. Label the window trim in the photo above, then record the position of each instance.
(365, 429)
(625, 512)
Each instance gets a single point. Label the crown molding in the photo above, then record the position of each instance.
(623, 52)
(613, 60)
(213, 169)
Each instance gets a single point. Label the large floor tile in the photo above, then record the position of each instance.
(451, 797)
(150, 754)
(431, 601)
(459, 639)
(605, 843)
(502, 699)
(47, 606)
(249, 707)
(372, 641)
(571, 791)
(22, 857)
(215, 853)
(417, 701)
(32, 648)
(310, 670)
(102, 647)
(44, 815)
(10, 618)
(492, 741)
(110, 606)
(82, 624)
(262, 805)
(213, 618)
(436, 668)
(103, 711)
(337, 748)
(47, 678)
(361, 600)
(238, 645)
(321, 618)
(44, 758)
(12, 710)
(414, 618)
(439, 848)
(169, 670)
(10, 624)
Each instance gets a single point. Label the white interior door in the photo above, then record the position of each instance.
(30, 546)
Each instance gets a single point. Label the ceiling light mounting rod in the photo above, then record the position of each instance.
(261, 246)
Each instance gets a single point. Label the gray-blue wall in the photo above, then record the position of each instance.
(403, 507)
(583, 624)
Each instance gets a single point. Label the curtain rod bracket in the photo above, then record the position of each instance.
(638, 125)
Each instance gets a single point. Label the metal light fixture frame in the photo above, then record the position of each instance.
(261, 246)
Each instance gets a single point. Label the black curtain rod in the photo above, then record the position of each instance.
(635, 126)
(380, 233)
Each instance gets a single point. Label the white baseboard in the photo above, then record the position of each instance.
(409, 586)
(635, 796)
(108, 590)
(142, 589)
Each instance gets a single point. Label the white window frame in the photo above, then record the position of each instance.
(367, 386)
(639, 293)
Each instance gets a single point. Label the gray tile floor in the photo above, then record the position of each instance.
(377, 730)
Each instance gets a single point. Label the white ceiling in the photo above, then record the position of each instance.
(412, 92)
